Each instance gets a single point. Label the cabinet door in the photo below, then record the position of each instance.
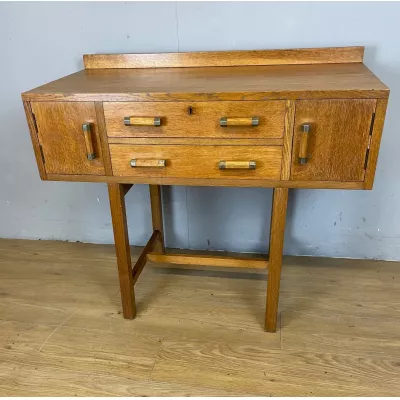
(335, 146)
(67, 149)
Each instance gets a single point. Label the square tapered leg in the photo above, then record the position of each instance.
(116, 194)
(277, 234)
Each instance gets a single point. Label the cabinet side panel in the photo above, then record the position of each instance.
(35, 140)
(380, 114)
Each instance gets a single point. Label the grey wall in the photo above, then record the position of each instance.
(40, 42)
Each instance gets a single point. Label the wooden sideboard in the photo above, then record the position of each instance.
(299, 118)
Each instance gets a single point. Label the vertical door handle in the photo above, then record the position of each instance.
(87, 133)
(303, 149)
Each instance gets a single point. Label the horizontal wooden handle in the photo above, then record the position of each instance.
(147, 163)
(142, 121)
(240, 121)
(87, 133)
(237, 165)
(303, 147)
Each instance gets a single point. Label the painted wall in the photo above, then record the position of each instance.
(40, 42)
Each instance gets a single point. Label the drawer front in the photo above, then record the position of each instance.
(69, 137)
(184, 161)
(242, 119)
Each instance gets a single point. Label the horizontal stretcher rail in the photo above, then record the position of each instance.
(215, 261)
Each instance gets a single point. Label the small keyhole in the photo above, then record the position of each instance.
(190, 110)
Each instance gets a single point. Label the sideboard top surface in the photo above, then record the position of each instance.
(341, 80)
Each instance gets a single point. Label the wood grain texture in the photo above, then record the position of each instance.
(285, 82)
(237, 121)
(102, 131)
(62, 140)
(288, 139)
(35, 140)
(157, 216)
(337, 142)
(121, 239)
(277, 235)
(160, 180)
(325, 55)
(211, 260)
(199, 331)
(377, 130)
(87, 134)
(204, 120)
(198, 141)
(141, 261)
(197, 161)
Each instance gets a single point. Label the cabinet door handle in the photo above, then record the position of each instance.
(87, 133)
(303, 148)
(240, 121)
(147, 163)
(237, 165)
(142, 121)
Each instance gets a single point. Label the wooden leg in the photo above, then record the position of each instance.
(277, 233)
(116, 194)
(156, 213)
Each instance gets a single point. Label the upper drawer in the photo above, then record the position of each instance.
(244, 119)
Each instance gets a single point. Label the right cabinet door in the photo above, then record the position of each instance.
(331, 138)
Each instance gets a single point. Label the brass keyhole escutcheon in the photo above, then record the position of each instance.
(190, 110)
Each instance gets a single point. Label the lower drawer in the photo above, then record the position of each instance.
(187, 161)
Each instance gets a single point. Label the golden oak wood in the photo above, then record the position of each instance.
(215, 261)
(157, 216)
(196, 161)
(288, 139)
(35, 140)
(278, 220)
(226, 58)
(141, 261)
(198, 141)
(87, 134)
(62, 139)
(300, 118)
(195, 119)
(211, 182)
(121, 239)
(141, 121)
(337, 143)
(102, 131)
(376, 135)
(249, 83)
(238, 121)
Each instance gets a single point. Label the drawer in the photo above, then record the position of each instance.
(243, 119)
(185, 161)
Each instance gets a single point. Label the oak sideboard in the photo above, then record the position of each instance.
(281, 119)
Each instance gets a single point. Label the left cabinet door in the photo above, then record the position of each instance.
(69, 137)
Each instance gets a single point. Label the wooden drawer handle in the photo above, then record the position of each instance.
(247, 121)
(147, 163)
(303, 149)
(142, 121)
(237, 165)
(87, 133)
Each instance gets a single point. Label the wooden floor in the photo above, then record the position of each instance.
(198, 332)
